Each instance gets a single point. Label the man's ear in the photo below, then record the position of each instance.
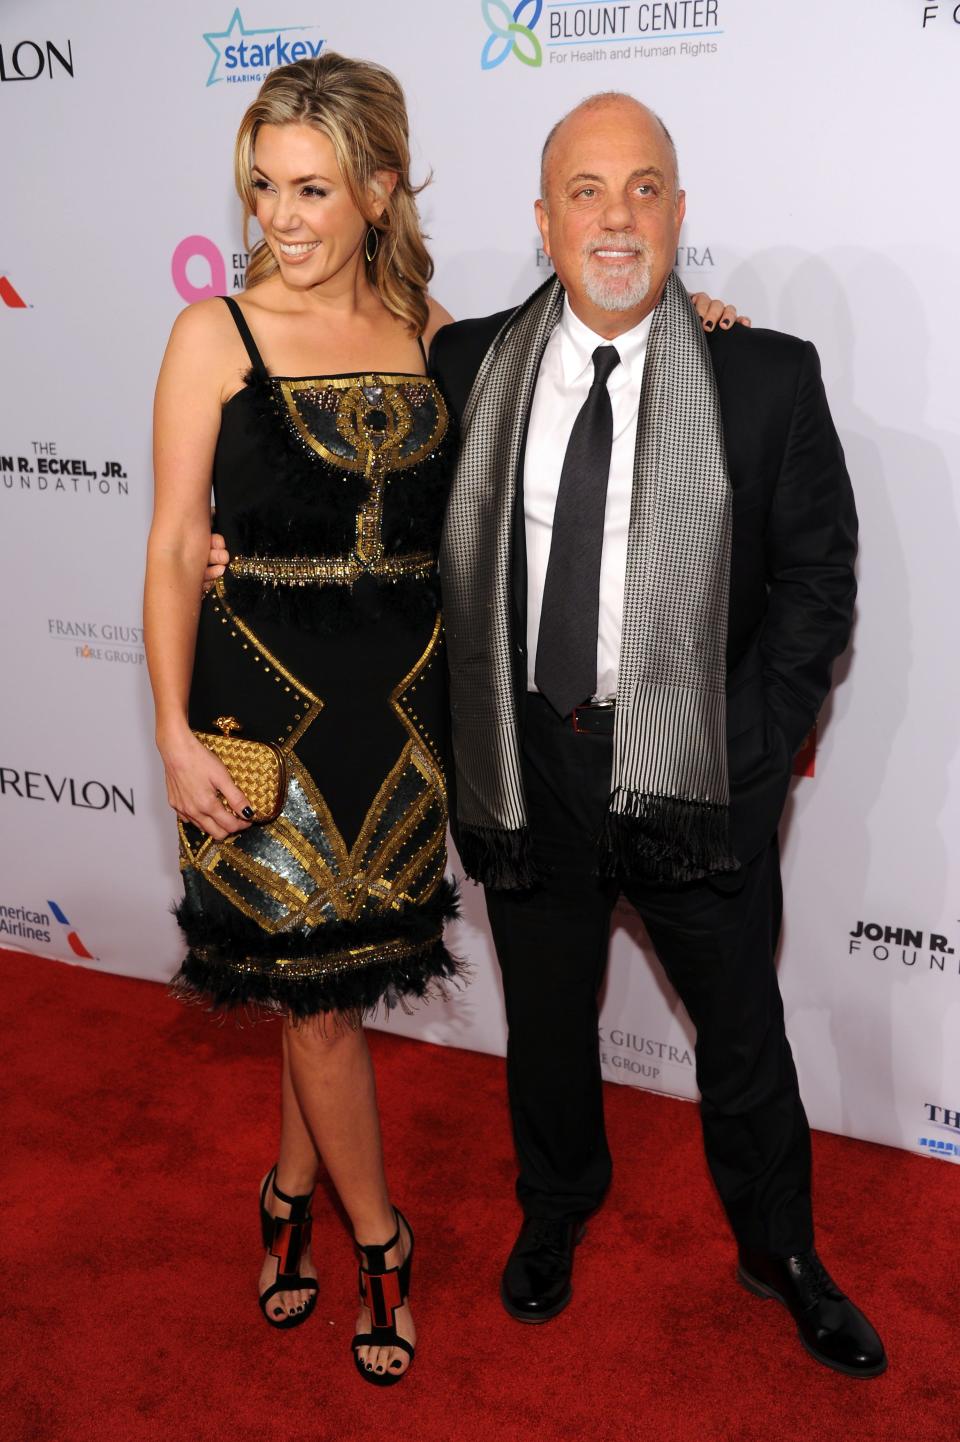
(542, 216)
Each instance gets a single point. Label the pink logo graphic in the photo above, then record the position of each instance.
(198, 246)
(76, 945)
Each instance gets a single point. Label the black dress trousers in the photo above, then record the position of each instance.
(717, 946)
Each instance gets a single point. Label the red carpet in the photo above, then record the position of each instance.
(135, 1131)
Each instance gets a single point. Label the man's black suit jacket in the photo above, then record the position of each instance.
(792, 584)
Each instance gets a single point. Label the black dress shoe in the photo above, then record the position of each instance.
(536, 1280)
(831, 1328)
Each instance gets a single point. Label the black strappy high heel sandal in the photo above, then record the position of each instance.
(383, 1290)
(287, 1238)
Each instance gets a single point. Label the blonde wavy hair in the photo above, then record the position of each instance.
(360, 108)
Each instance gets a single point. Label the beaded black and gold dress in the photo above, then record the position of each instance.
(324, 636)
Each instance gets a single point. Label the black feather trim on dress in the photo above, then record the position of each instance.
(324, 610)
(234, 964)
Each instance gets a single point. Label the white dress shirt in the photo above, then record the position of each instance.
(566, 375)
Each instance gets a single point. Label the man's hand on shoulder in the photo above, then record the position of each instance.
(217, 561)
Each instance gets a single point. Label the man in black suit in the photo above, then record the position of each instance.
(577, 409)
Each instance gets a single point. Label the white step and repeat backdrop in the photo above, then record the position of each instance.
(818, 151)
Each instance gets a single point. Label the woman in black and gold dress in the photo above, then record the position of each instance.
(307, 404)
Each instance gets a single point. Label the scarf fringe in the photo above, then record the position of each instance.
(499, 859)
(663, 838)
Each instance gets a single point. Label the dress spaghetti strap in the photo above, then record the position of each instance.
(245, 335)
(423, 353)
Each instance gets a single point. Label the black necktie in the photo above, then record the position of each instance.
(566, 668)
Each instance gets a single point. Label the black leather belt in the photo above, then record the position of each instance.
(595, 719)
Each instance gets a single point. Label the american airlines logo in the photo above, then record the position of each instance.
(10, 295)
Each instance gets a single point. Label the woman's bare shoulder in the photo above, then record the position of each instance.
(207, 324)
(439, 317)
(205, 349)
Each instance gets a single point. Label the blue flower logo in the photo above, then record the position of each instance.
(509, 34)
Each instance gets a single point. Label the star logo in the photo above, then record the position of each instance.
(238, 49)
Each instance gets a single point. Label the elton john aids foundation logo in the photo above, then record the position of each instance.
(199, 269)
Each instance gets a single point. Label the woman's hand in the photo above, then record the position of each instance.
(200, 788)
(716, 312)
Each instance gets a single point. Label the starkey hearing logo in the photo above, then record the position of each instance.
(511, 33)
(243, 55)
(9, 294)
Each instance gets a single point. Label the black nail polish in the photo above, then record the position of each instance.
(247, 812)
(709, 325)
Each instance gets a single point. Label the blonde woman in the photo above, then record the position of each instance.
(306, 403)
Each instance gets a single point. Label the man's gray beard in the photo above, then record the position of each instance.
(611, 292)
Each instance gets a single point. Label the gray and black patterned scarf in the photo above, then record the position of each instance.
(669, 804)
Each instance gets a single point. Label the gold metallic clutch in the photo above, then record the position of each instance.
(259, 768)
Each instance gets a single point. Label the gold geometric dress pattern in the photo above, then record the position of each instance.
(375, 434)
(297, 873)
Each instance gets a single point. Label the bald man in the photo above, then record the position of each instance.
(647, 574)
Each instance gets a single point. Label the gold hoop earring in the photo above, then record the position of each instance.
(368, 250)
